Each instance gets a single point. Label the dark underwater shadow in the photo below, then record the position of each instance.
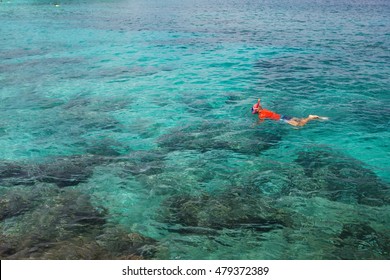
(335, 176)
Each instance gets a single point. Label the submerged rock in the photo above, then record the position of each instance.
(125, 245)
(53, 223)
(337, 177)
(206, 137)
(72, 170)
(109, 244)
(360, 241)
(19, 200)
(62, 171)
(14, 174)
(59, 216)
(234, 208)
(68, 171)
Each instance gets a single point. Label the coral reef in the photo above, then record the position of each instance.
(233, 208)
(205, 137)
(62, 171)
(360, 241)
(63, 224)
(337, 177)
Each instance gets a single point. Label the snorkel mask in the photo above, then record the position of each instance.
(255, 108)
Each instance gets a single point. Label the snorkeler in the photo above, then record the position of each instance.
(267, 114)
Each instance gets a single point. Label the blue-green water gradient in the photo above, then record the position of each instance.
(150, 100)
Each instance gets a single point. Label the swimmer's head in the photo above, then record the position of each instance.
(255, 108)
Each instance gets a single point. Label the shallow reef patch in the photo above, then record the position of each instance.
(62, 171)
(220, 136)
(330, 174)
(64, 224)
(361, 241)
(233, 208)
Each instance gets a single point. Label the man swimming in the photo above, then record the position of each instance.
(267, 114)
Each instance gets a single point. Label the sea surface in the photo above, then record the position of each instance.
(126, 131)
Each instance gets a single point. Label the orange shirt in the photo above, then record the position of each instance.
(267, 114)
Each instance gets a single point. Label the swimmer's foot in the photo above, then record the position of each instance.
(313, 117)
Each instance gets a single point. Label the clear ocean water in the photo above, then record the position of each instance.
(126, 132)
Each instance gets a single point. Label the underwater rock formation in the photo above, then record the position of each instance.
(65, 225)
(72, 170)
(206, 137)
(62, 171)
(20, 199)
(59, 216)
(124, 245)
(14, 174)
(234, 208)
(195, 137)
(68, 171)
(111, 244)
(337, 177)
(360, 241)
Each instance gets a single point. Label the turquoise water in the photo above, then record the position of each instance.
(126, 132)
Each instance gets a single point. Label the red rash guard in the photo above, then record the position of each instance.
(267, 114)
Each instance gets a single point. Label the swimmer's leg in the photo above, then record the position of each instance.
(303, 121)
